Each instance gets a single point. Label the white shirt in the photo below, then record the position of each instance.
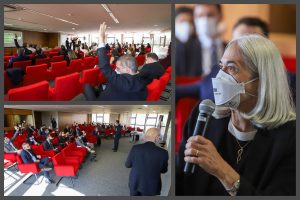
(206, 46)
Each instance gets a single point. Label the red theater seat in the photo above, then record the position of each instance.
(164, 79)
(35, 74)
(66, 87)
(290, 64)
(88, 62)
(28, 168)
(57, 69)
(65, 166)
(22, 64)
(39, 150)
(90, 76)
(7, 58)
(68, 152)
(53, 53)
(153, 90)
(140, 60)
(57, 58)
(39, 61)
(75, 66)
(5, 65)
(34, 92)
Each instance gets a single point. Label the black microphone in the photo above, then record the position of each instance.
(206, 108)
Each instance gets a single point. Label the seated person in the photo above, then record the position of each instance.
(28, 156)
(30, 139)
(81, 143)
(130, 51)
(79, 54)
(39, 54)
(97, 133)
(123, 84)
(152, 68)
(84, 139)
(21, 57)
(9, 146)
(63, 139)
(30, 129)
(47, 144)
(25, 46)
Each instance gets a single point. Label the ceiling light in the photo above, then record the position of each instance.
(73, 28)
(5, 24)
(106, 8)
(155, 25)
(108, 27)
(146, 106)
(20, 18)
(69, 14)
(45, 29)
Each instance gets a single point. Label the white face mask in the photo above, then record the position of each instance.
(206, 26)
(227, 90)
(117, 71)
(183, 31)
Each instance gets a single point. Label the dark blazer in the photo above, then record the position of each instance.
(147, 161)
(48, 146)
(16, 59)
(269, 169)
(26, 158)
(151, 71)
(120, 87)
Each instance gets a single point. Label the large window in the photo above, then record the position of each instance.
(146, 121)
(100, 118)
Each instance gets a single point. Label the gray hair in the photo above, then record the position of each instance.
(274, 105)
(128, 61)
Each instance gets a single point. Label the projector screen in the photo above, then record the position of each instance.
(9, 37)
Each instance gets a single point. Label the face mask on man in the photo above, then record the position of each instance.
(117, 71)
(227, 90)
(206, 26)
(183, 31)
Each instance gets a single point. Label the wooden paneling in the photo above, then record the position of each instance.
(40, 38)
(69, 118)
(11, 111)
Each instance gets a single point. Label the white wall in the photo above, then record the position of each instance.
(125, 118)
(113, 118)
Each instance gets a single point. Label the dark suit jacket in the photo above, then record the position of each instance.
(120, 87)
(47, 145)
(26, 158)
(147, 161)
(270, 167)
(16, 59)
(151, 71)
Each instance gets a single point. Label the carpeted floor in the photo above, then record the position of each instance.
(106, 177)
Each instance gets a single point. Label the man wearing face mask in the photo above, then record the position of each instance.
(205, 49)
(184, 30)
(252, 151)
(123, 84)
(147, 162)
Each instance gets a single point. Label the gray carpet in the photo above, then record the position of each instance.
(106, 177)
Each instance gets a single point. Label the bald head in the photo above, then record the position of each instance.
(152, 134)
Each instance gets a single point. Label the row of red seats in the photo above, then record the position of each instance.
(156, 87)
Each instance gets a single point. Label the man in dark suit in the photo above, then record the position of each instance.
(147, 161)
(39, 54)
(53, 123)
(47, 144)
(97, 133)
(28, 156)
(118, 128)
(68, 44)
(21, 57)
(152, 69)
(123, 84)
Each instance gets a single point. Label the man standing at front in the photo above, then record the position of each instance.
(147, 161)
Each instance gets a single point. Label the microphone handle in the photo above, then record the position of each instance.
(200, 127)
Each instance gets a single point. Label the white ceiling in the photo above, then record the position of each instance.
(137, 18)
(96, 108)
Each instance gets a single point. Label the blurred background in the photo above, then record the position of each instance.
(275, 21)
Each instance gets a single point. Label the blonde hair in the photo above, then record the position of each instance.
(274, 105)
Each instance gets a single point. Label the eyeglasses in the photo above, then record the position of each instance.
(230, 69)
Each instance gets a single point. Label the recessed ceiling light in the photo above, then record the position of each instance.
(155, 25)
(108, 27)
(20, 18)
(146, 106)
(73, 28)
(69, 14)
(8, 24)
(45, 29)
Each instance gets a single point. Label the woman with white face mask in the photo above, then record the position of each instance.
(253, 151)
